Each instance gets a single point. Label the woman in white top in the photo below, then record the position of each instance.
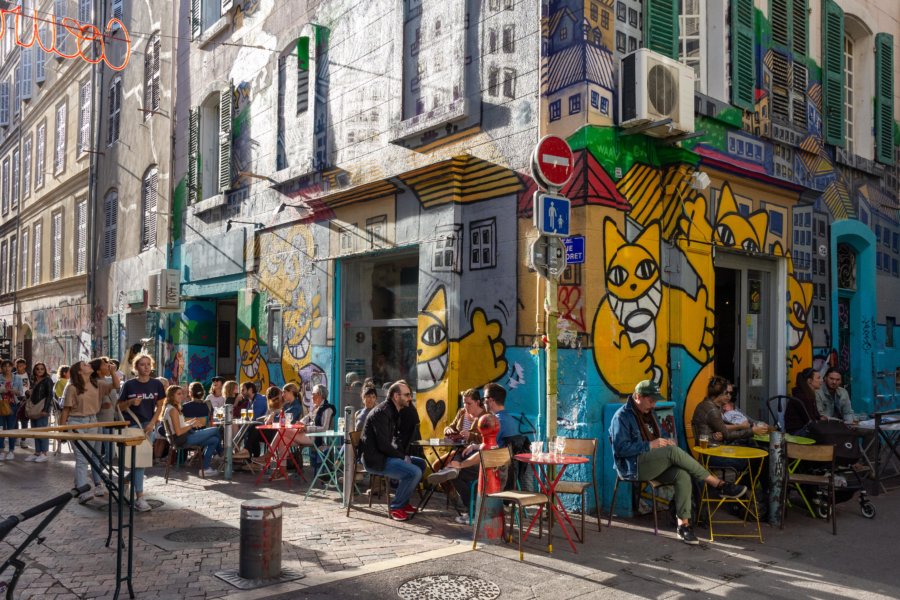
(184, 432)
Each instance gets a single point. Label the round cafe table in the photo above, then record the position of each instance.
(749, 503)
(539, 464)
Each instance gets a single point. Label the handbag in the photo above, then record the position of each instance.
(5, 408)
(33, 410)
(143, 452)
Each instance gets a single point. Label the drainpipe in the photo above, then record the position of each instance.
(91, 248)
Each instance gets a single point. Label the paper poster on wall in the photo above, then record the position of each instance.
(756, 368)
(752, 332)
(755, 296)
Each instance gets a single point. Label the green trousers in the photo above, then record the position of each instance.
(673, 465)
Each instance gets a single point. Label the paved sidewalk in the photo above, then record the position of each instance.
(368, 556)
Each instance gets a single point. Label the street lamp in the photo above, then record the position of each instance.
(230, 222)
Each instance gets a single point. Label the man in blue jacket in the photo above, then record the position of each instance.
(641, 453)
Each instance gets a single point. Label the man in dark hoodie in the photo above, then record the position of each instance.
(381, 455)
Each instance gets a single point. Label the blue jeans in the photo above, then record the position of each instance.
(9, 422)
(407, 474)
(81, 461)
(210, 440)
(137, 475)
(41, 445)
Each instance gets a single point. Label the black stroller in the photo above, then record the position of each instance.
(847, 479)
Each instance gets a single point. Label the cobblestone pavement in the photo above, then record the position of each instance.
(317, 536)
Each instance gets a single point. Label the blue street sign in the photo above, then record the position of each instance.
(574, 249)
(552, 214)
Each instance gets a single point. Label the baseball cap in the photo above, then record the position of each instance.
(648, 388)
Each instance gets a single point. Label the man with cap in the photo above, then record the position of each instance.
(641, 453)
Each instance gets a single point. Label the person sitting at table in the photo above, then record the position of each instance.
(318, 419)
(188, 432)
(273, 411)
(216, 398)
(253, 401)
(463, 428)
(369, 399)
(196, 407)
(798, 415)
(409, 431)
(832, 400)
(381, 455)
(291, 403)
(640, 452)
(708, 418)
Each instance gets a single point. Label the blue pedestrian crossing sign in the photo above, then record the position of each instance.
(552, 214)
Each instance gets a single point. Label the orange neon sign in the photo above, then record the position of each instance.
(82, 33)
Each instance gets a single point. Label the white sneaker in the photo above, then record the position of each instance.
(142, 505)
(31, 458)
(24, 446)
(10, 455)
(461, 520)
(42, 458)
(99, 491)
(210, 472)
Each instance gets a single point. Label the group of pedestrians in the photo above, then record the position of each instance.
(25, 399)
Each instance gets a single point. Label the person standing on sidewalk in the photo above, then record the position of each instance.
(381, 455)
(22, 371)
(41, 404)
(639, 451)
(81, 404)
(10, 391)
(141, 403)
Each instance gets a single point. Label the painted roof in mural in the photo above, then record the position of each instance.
(578, 64)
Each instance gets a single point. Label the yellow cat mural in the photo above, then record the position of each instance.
(479, 354)
(298, 326)
(630, 343)
(734, 230)
(253, 367)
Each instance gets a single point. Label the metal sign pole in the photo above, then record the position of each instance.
(552, 313)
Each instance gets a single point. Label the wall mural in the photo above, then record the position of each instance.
(253, 367)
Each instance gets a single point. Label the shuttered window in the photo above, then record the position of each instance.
(743, 55)
(84, 117)
(84, 11)
(40, 57)
(59, 154)
(196, 19)
(81, 236)
(56, 240)
(23, 261)
(4, 102)
(110, 225)
(225, 140)
(36, 255)
(26, 72)
(13, 263)
(833, 72)
(4, 265)
(16, 179)
(151, 76)
(62, 37)
(4, 186)
(884, 98)
(40, 147)
(661, 27)
(194, 191)
(302, 74)
(148, 209)
(118, 10)
(26, 168)
(115, 111)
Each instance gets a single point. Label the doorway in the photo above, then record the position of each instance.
(379, 315)
(226, 330)
(750, 347)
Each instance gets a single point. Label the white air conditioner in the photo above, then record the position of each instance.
(653, 88)
(163, 289)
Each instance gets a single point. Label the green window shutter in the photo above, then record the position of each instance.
(661, 27)
(743, 56)
(780, 17)
(194, 155)
(884, 98)
(799, 28)
(303, 53)
(833, 72)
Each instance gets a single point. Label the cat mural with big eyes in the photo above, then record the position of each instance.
(631, 341)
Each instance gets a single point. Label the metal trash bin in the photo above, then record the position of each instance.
(260, 553)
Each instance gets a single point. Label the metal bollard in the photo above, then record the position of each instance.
(777, 468)
(228, 440)
(260, 552)
(349, 457)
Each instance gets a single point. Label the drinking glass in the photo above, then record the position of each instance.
(704, 441)
(536, 448)
(288, 418)
(560, 444)
(342, 422)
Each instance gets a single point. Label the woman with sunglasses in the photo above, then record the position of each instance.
(41, 401)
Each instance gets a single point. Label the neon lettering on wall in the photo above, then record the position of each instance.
(82, 33)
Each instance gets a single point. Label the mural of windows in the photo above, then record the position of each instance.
(483, 249)
(595, 99)
(494, 81)
(376, 230)
(346, 238)
(509, 83)
(574, 104)
(446, 250)
(509, 39)
(555, 110)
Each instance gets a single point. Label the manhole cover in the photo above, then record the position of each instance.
(203, 534)
(448, 587)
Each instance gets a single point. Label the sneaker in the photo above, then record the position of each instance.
(443, 475)
(410, 509)
(10, 455)
(31, 458)
(85, 498)
(2, 455)
(398, 514)
(41, 458)
(461, 520)
(99, 491)
(686, 535)
(732, 490)
(24, 446)
(142, 505)
(210, 472)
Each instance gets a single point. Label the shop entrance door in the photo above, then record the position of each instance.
(379, 315)
(750, 347)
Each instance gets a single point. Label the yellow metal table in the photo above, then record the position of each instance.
(749, 503)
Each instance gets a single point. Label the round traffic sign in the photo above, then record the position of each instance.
(552, 162)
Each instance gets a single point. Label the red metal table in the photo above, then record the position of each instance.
(548, 485)
(282, 438)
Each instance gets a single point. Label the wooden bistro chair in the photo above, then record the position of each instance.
(819, 453)
(358, 470)
(651, 483)
(582, 447)
(174, 450)
(502, 457)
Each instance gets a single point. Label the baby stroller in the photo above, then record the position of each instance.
(847, 479)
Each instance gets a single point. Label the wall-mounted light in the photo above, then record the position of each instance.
(230, 222)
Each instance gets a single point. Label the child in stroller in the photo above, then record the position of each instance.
(848, 470)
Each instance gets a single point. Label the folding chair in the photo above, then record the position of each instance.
(582, 447)
(174, 450)
(357, 468)
(819, 453)
(654, 485)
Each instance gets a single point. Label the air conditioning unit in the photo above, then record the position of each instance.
(163, 289)
(653, 88)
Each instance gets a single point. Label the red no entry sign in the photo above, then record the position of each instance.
(552, 162)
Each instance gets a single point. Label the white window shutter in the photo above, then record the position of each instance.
(148, 81)
(40, 59)
(14, 192)
(84, 118)
(26, 168)
(110, 226)
(225, 139)
(148, 209)
(26, 72)
(196, 23)
(36, 258)
(194, 156)
(4, 103)
(40, 150)
(157, 47)
(226, 6)
(118, 9)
